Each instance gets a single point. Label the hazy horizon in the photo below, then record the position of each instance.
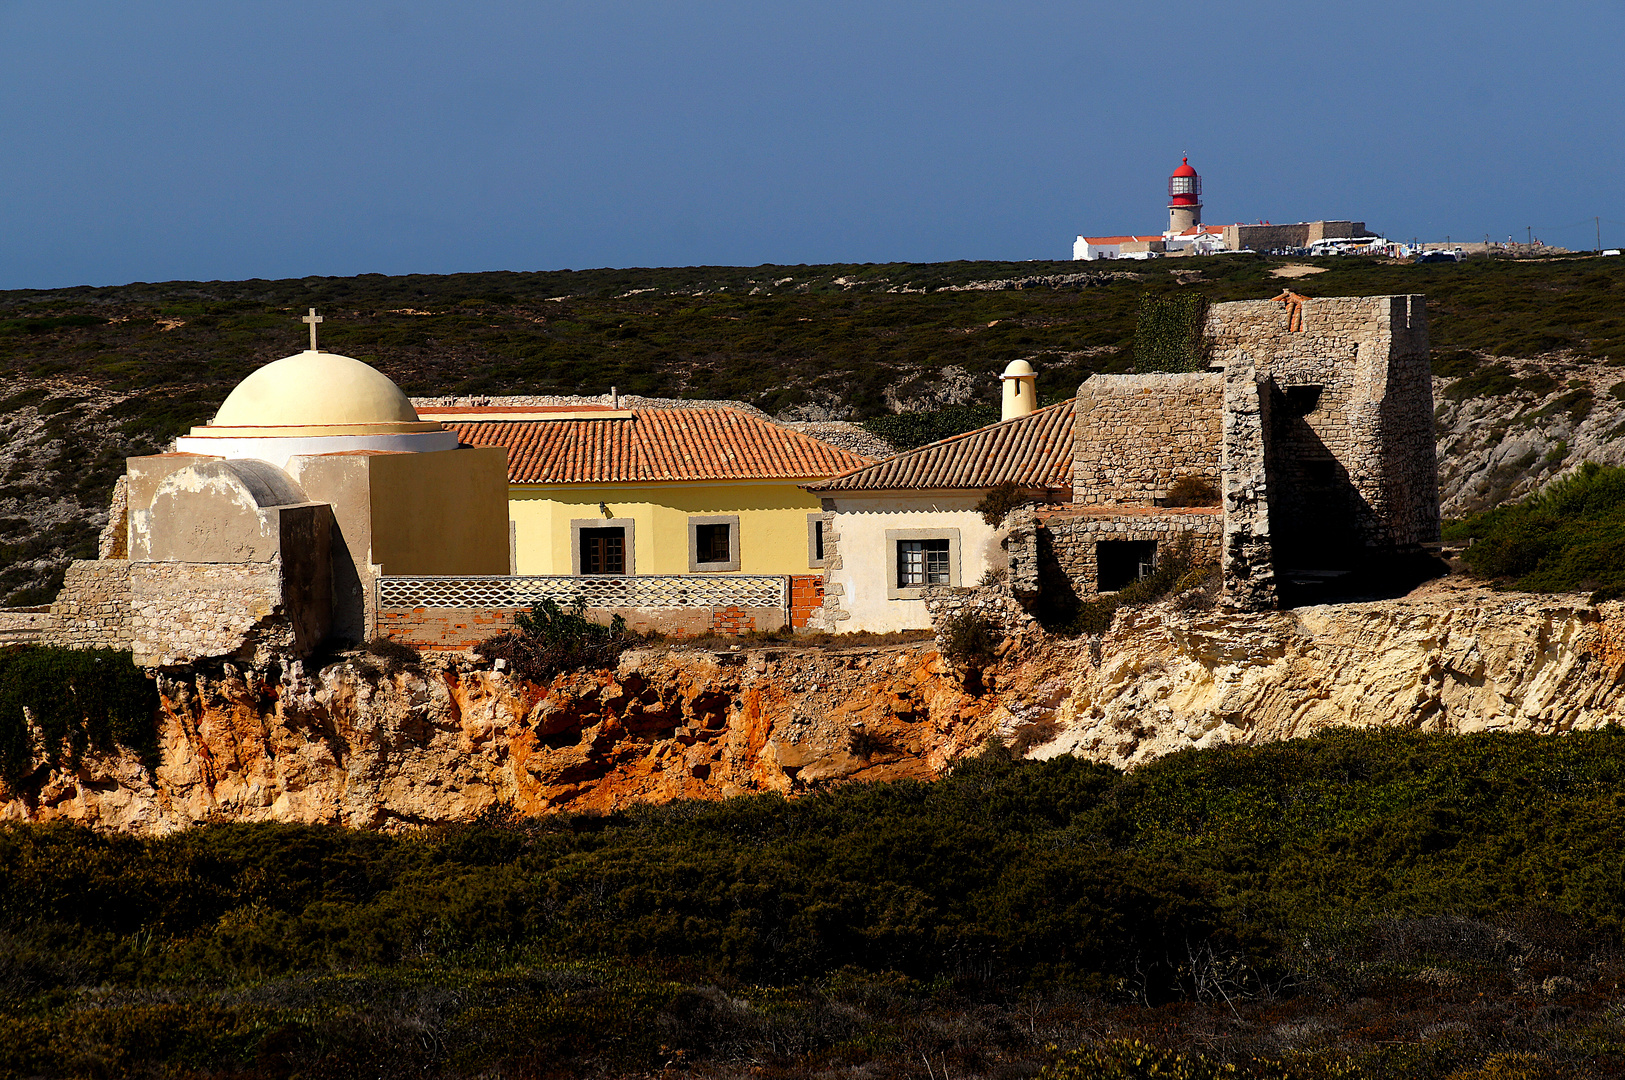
(186, 141)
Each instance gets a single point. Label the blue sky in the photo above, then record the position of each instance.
(171, 139)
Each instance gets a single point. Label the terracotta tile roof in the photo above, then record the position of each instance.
(656, 444)
(1119, 239)
(1034, 450)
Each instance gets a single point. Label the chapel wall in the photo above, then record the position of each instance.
(1135, 434)
(184, 612)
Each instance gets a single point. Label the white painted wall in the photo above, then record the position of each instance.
(279, 450)
(861, 521)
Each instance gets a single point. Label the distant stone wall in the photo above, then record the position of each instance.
(93, 609)
(1136, 433)
(185, 611)
(619, 401)
(1297, 234)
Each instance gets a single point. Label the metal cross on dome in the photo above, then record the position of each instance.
(312, 319)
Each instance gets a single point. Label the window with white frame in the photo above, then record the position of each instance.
(917, 559)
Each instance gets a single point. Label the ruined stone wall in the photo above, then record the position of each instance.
(993, 602)
(1136, 433)
(114, 541)
(185, 611)
(1068, 539)
(1351, 411)
(93, 609)
(1249, 554)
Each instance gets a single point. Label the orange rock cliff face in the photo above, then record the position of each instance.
(364, 743)
(367, 743)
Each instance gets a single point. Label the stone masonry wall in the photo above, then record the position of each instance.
(93, 609)
(1136, 433)
(1249, 555)
(1363, 363)
(188, 611)
(1071, 536)
(114, 542)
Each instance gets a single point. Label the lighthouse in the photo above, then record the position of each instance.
(1184, 198)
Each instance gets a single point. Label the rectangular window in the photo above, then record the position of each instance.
(1120, 563)
(603, 551)
(922, 562)
(711, 543)
(816, 535)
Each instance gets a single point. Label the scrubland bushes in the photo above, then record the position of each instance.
(1569, 537)
(1403, 896)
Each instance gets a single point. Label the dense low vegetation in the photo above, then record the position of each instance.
(1379, 904)
(1569, 537)
(55, 704)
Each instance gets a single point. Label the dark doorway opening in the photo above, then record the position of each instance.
(603, 551)
(1120, 563)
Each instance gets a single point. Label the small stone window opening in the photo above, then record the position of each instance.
(603, 551)
(1120, 563)
(818, 540)
(1301, 400)
(711, 544)
(922, 562)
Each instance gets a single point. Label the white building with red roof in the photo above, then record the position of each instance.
(1185, 233)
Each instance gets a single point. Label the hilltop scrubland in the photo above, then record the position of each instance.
(1377, 904)
(94, 374)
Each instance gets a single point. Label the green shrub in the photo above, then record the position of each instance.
(905, 431)
(997, 503)
(969, 637)
(1569, 537)
(80, 699)
(549, 639)
(1131, 1059)
(1191, 491)
(1168, 334)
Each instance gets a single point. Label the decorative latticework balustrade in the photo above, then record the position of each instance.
(637, 591)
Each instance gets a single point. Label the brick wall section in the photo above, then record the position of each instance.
(444, 628)
(806, 598)
(1136, 433)
(732, 621)
(463, 628)
(185, 611)
(93, 609)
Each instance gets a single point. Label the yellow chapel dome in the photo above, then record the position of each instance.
(316, 389)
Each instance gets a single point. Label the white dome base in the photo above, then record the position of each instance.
(279, 450)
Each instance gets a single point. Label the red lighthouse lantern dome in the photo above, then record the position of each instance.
(1184, 186)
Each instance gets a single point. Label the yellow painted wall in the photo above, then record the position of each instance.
(441, 513)
(772, 523)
